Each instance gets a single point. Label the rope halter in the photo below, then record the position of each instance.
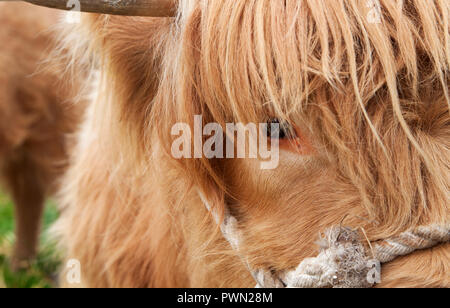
(343, 260)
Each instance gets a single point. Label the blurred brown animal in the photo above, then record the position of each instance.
(36, 116)
(370, 102)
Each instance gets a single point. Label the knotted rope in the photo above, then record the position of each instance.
(343, 260)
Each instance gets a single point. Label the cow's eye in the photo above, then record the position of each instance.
(289, 137)
(282, 130)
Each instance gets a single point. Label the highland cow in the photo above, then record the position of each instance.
(361, 93)
(36, 116)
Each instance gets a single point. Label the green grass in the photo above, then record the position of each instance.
(42, 272)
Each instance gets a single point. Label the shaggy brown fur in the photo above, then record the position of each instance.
(35, 116)
(372, 99)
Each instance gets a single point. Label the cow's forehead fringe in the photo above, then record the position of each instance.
(280, 57)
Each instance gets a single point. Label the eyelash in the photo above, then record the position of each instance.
(289, 137)
(285, 131)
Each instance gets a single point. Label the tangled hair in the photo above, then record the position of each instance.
(374, 97)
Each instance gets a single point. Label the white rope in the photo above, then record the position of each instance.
(408, 242)
(342, 261)
(230, 231)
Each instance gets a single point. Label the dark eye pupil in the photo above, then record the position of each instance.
(277, 133)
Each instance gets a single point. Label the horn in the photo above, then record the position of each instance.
(150, 8)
